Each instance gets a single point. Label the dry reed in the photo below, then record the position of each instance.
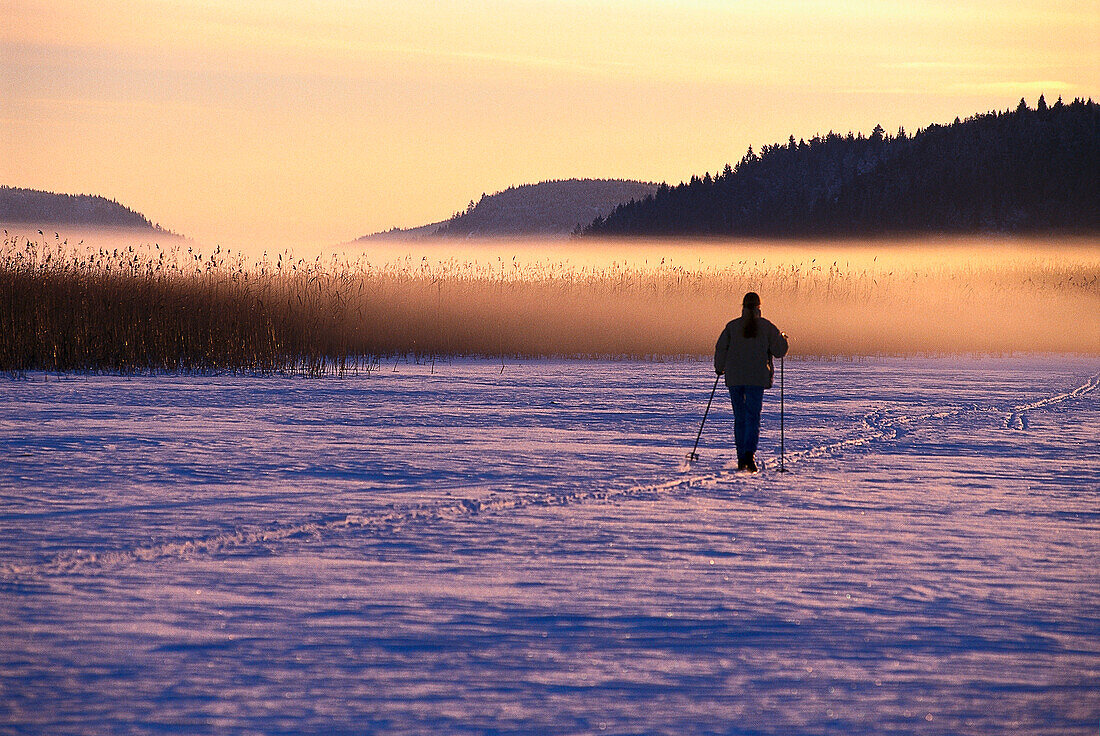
(127, 310)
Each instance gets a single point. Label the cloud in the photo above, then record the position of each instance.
(1012, 88)
(954, 65)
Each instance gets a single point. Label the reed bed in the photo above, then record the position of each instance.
(177, 310)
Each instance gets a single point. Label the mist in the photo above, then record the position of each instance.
(328, 309)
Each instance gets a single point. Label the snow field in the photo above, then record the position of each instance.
(468, 552)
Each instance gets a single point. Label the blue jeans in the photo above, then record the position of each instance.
(747, 402)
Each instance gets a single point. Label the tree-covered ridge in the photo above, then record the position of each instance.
(35, 207)
(547, 208)
(1023, 170)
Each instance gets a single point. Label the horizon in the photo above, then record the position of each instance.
(267, 121)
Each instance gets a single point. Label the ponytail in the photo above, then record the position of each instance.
(749, 306)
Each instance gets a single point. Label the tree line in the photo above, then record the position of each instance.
(1023, 170)
(37, 207)
(546, 208)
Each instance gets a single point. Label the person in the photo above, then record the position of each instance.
(744, 355)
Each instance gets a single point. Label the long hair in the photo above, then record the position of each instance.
(749, 306)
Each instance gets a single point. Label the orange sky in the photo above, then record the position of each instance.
(318, 120)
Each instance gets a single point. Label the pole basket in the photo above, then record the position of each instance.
(693, 455)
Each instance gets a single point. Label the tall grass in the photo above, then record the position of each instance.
(63, 308)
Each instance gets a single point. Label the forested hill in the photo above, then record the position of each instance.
(1027, 170)
(34, 207)
(547, 208)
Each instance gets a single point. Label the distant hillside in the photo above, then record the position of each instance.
(412, 233)
(547, 208)
(1027, 170)
(34, 207)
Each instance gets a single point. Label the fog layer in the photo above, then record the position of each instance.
(662, 299)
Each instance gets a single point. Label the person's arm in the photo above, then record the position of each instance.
(777, 343)
(720, 351)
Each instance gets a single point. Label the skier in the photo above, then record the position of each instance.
(744, 354)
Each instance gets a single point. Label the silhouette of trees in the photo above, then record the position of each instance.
(34, 206)
(1015, 171)
(549, 207)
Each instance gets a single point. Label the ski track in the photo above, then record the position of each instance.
(876, 428)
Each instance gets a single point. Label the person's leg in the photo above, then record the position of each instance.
(754, 402)
(737, 397)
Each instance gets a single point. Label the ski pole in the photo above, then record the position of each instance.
(692, 455)
(782, 449)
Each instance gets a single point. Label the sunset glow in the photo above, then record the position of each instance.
(476, 367)
(320, 121)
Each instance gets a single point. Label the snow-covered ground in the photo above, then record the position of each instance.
(476, 552)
